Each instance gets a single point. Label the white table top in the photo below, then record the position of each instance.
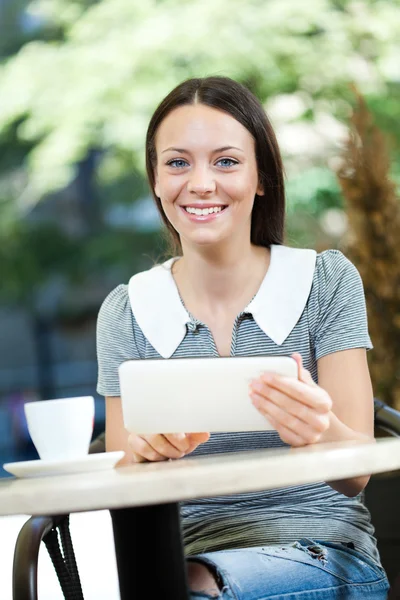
(156, 483)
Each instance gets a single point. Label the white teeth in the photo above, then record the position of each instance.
(203, 211)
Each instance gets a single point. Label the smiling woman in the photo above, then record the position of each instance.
(232, 288)
(222, 151)
(199, 183)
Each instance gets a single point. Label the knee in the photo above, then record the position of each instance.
(201, 579)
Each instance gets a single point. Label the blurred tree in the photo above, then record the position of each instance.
(97, 85)
(79, 80)
(13, 34)
(373, 210)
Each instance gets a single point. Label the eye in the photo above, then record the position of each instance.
(177, 163)
(227, 162)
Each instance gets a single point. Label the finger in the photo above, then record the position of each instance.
(317, 420)
(138, 458)
(179, 440)
(313, 396)
(142, 451)
(154, 445)
(200, 438)
(289, 437)
(286, 435)
(195, 439)
(287, 421)
(306, 377)
(163, 446)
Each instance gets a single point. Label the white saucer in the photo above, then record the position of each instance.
(42, 468)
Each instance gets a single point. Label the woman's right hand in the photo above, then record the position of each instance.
(157, 447)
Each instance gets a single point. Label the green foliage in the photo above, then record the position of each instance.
(32, 254)
(98, 84)
(309, 195)
(29, 255)
(12, 37)
(314, 190)
(89, 74)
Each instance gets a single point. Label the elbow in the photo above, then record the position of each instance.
(361, 484)
(357, 485)
(350, 487)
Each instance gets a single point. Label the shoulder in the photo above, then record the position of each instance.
(333, 261)
(147, 284)
(141, 285)
(116, 340)
(116, 303)
(333, 269)
(337, 307)
(336, 284)
(303, 271)
(116, 330)
(115, 312)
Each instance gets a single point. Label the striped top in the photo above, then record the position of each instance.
(308, 303)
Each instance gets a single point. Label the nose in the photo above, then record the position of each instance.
(201, 181)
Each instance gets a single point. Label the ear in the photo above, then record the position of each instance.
(260, 189)
(156, 184)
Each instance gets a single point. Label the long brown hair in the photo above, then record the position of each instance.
(223, 93)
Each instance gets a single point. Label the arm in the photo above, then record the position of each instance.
(345, 376)
(340, 408)
(116, 434)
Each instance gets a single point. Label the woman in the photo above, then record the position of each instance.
(216, 174)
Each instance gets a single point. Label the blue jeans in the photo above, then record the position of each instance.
(304, 570)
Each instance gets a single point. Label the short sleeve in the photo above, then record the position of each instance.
(341, 315)
(115, 340)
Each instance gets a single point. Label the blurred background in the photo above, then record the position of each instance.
(79, 80)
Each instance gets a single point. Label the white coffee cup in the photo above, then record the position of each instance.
(61, 429)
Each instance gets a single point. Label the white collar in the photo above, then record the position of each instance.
(276, 308)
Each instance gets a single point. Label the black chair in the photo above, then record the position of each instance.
(52, 530)
(382, 496)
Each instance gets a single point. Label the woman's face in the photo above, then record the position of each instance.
(206, 175)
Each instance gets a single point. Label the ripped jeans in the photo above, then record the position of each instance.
(305, 570)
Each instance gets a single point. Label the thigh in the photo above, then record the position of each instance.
(304, 570)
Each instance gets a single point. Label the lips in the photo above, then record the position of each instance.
(203, 213)
(204, 205)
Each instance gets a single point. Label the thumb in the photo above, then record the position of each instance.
(304, 375)
(195, 439)
(198, 438)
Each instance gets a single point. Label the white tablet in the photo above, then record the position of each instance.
(195, 394)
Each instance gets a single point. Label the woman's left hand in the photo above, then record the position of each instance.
(298, 409)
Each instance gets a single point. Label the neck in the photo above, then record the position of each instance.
(214, 280)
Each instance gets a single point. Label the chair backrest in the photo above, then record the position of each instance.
(98, 444)
(382, 499)
(387, 418)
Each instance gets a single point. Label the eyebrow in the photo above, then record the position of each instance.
(183, 151)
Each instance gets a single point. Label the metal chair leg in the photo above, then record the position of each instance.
(26, 554)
